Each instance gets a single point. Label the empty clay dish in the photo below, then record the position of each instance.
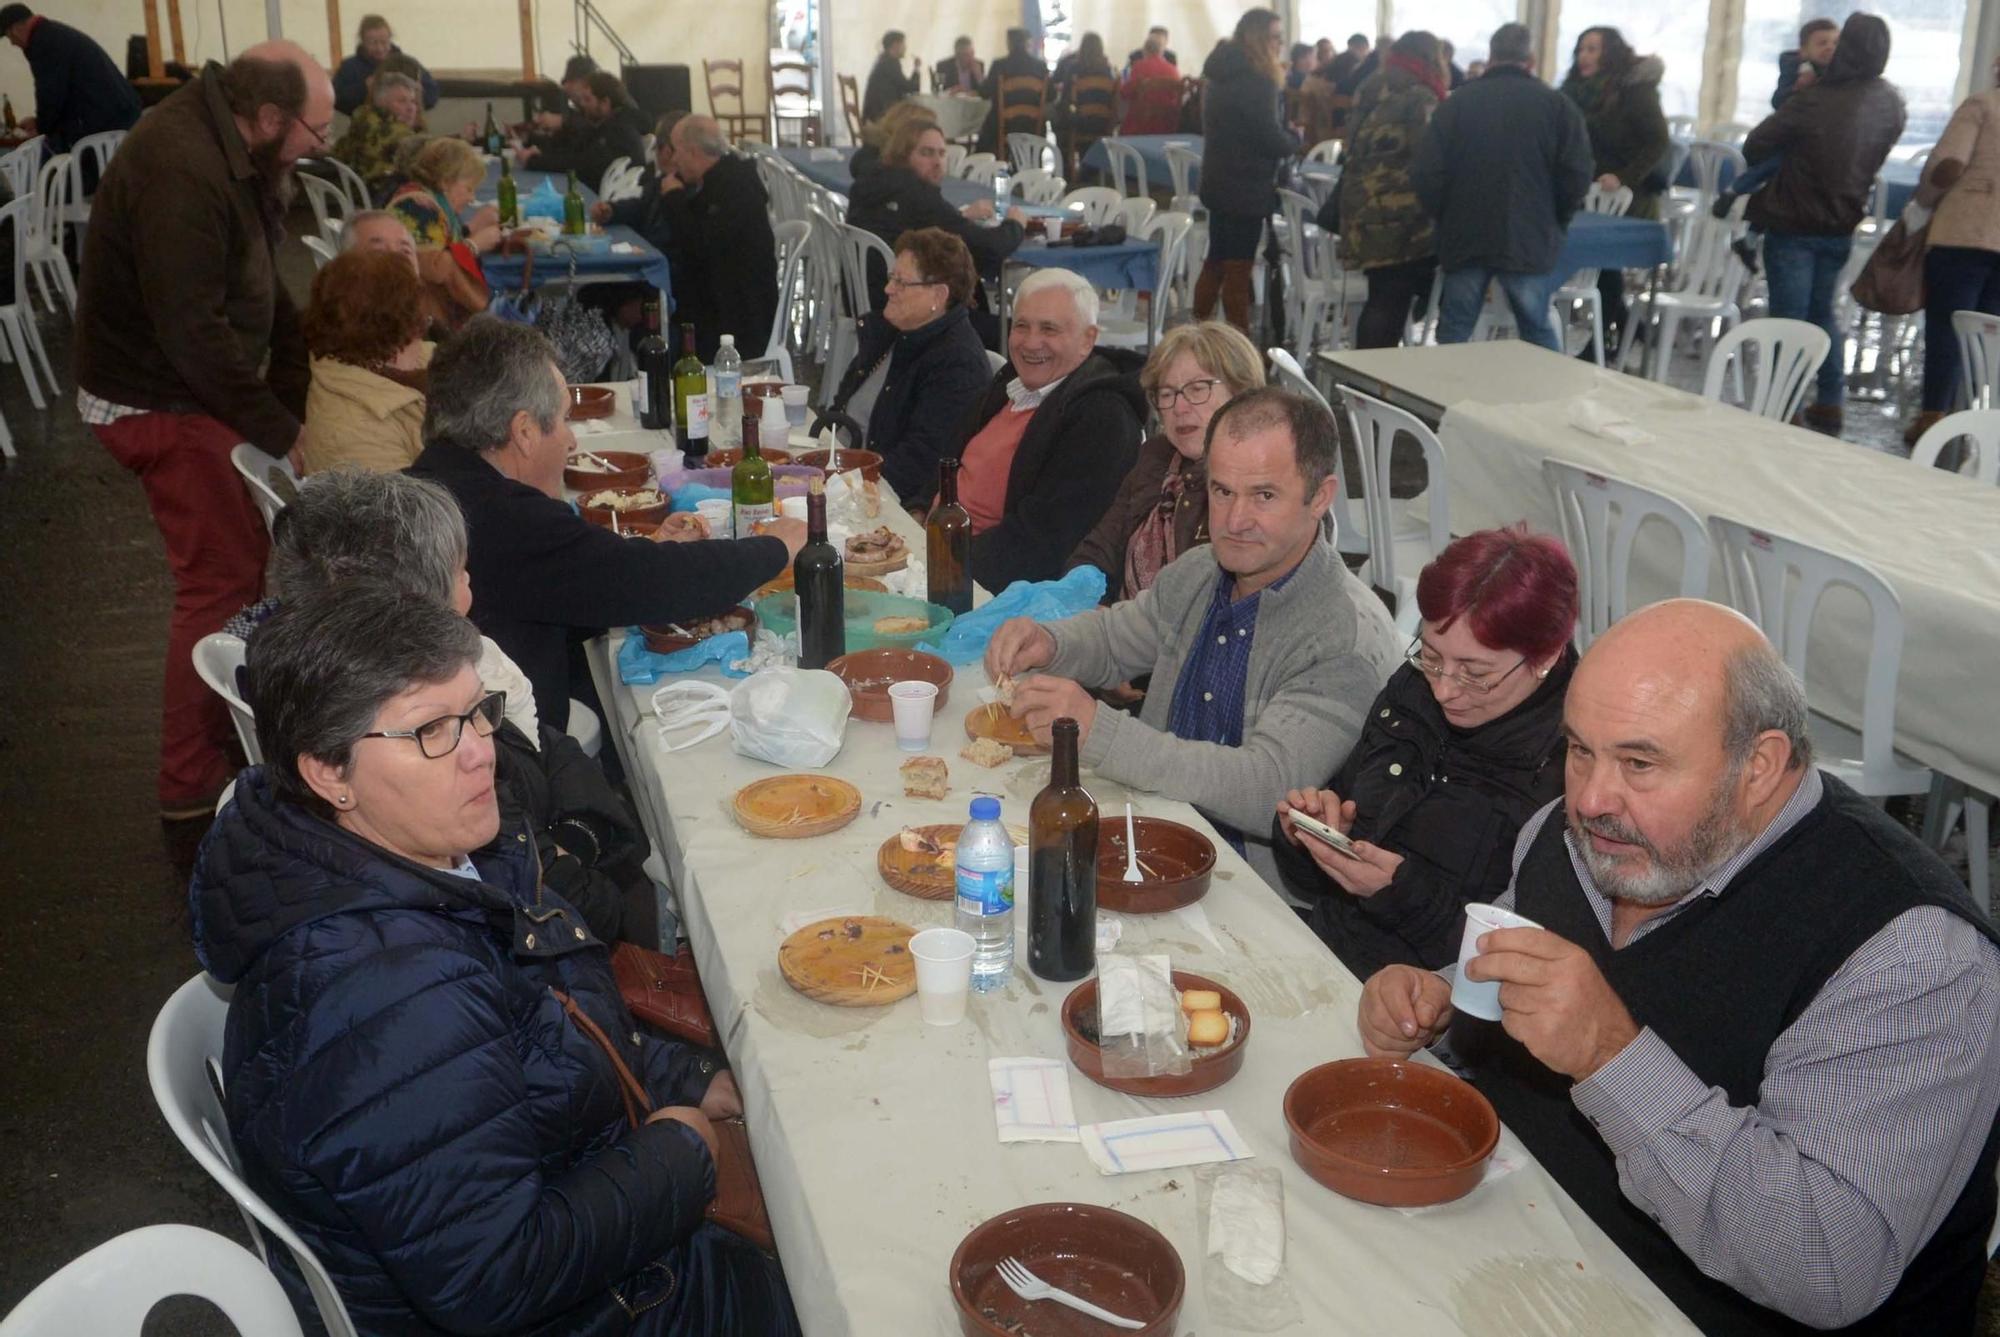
(664, 640)
(1176, 862)
(1212, 1067)
(591, 401)
(867, 461)
(647, 517)
(1115, 1261)
(1389, 1131)
(869, 673)
(630, 469)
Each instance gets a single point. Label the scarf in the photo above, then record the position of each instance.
(1154, 543)
(1430, 76)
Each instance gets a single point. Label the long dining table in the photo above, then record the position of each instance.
(874, 1133)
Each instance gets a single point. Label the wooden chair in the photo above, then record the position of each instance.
(1021, 111)
(850, 105)
(1191, 104)
(725, 99)
(1093, 114)
(788, 90)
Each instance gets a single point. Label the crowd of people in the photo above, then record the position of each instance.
(1749, 1038)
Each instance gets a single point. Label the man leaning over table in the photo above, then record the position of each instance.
(1264, 651)
(1754, 1038)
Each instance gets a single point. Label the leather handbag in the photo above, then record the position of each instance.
(1892, 281)
(664, 992)
(738, 1204)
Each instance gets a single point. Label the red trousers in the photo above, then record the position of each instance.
(216, 547)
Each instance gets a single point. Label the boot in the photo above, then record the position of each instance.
(1746, 250)
(1925, 421)
(1236, 292)
(1823, 418)
(1206, 288)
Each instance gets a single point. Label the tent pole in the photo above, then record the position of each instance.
(174, 26)
(156, 61)
(527, 41)
(335, 45)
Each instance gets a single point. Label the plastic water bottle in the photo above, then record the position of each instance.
(984, 866)
(727, 430)
(1002, 183)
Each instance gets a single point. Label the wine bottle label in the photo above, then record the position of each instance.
(642, 398)
(986, 892)
(748, 517)
(697, 423)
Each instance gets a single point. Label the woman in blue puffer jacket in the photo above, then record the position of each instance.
(418, 1068)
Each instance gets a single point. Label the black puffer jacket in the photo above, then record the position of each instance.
(1082, 442)
(1243, 135)
(933, 373)
(1834, 135)
(1450, 801)
(561, 797)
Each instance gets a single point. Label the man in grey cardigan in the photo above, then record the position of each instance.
(1264, 651)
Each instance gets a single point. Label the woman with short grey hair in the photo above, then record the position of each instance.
(394, 112)
(420, 1064)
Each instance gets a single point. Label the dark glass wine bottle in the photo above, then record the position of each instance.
(948, 545)
(691, 400)
(819, 576)
(496, 143)
(656, 376)
(1062, 868)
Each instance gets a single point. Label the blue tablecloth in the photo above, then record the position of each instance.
(527, 181)
(1599, 241)
(1153, 152)
(832, 173)
(646, 266)
(1131, 264)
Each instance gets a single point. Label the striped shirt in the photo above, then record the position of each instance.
(1874, 1108)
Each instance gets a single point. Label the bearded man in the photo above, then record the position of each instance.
(187, 343)
(1753, 1037)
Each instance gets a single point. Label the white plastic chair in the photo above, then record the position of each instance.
(184, 1066)
(792, 237)
(1783, 355)
(1037, 185)
(1777, 582)
(1316, 286)
(1326, 151)
(1168, 230)
(983, 168)
(92, 151)
(855, 299)
(954, 158)
(20, 166)
(1730, 134)
(1600, 519)
(1680, 127)
(1097, 204)
(1134, 213)
(1979, 428)
(1128, 167)
(1711, 277)
(585, 728)
(1581, 287)
(1350, 536)
(322, 251)
(217, 657)
(330, 205)
(48, 218)
(1978, 358)
(1025, 151)
(256, 469)
(1183, 161)
(611, 175)
(109, 1291)
(1706, 157)
(23, 338)
(1398, 552)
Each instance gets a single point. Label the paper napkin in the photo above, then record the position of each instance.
(1197, 1137)
(1031, 1099)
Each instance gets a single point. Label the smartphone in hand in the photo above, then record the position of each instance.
(1323, 833)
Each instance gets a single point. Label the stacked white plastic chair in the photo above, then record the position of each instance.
(217, 656)
(256, 470)
(1581, 287)
(1128, 167)
(1350, 515)
(1026, 151)
(1097, 205)
(1978, 358)
(792, 236)
(23, 339)
(48, 220)
(1124, 329)
(1038, 185)
(1403, 537)
(1706, 291)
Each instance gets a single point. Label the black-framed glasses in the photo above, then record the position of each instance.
(1433, 667)
(899, 282)
(319, 137)
(440, 737)
(1195, 392)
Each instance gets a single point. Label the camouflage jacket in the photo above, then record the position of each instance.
(1382, 222)
(369, 145)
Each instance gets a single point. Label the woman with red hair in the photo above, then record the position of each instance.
(1462, 745)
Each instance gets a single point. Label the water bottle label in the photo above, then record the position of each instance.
(749, 517)
(729, 384)
(697, 423)
(986, 892)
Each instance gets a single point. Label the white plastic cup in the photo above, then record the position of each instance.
(1481, 998)
(795, 404)
(944, 973)
(792, 508)
(715, 510)
(913, 703)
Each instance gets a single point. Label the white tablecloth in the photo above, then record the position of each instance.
(958, 117)
(1935, 537)
(874, 1133)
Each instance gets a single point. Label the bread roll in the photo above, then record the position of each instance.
(1200, 1000)
(1208, 1028)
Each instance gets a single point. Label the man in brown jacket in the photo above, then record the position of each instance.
(186, 344)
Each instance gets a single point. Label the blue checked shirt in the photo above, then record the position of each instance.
(1872, 1113)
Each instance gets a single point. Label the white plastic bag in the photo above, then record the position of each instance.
(790, 716)
(683, 705)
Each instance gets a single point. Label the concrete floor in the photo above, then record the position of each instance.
(101, 933)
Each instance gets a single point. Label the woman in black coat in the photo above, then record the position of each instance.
(1618, 92)
(936, 362)
(1461, 747)
(1243, 140)
(903, 192)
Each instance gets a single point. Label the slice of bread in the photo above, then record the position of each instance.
(925, 777)
(900, 625)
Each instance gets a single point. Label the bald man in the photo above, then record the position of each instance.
(1754, 1038)
(187, 344)
(719, 237)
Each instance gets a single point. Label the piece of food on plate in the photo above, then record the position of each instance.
(1200, 1000)
(1208, 1028)
(986, 752)
(1003, 689)
(637, 499)
(901, 624)
(925, 777)
(878, 545)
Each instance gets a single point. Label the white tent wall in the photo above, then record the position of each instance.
(1193, 26)
(857, 26)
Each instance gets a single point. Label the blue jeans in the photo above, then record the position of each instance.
(1803, 272)
(1528, 294)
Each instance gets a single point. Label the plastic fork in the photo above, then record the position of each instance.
(1031, 1287)
(1132, 873)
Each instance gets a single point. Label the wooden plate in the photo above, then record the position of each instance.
(782, 584)
(928, 877)
(791, 807)
(993, 721)
(850, 961)
(899, 562)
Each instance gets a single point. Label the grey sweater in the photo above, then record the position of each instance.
(1323, 647)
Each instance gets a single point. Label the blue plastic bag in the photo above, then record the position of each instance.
(545, 202)
(1043, 600)
(639, 666)
(684, 497)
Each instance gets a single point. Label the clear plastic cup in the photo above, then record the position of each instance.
(913, 703)
(944, 973)
(1481, 998)
(792, 508)
(795, 404)
(715, 510)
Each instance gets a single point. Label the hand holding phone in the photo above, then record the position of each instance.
(1321, 832)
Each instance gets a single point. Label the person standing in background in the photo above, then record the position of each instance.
(1301, 67)
(187, 344)
(1618, 92)
(719, 237)
(1383, 228)
(78, 91)
(1347, 62)
(375, 44)
(1244, 140)
(1798, 69)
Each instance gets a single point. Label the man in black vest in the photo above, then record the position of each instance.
(1753, 1038)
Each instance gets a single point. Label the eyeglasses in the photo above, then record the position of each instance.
(319, 136)
(1432, 667)
(1195, 392)
(439, 737)
(898, 281)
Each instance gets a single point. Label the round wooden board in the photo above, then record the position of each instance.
(899, 562)
(836, 961)
(928, 877)
(782, 584)
(993, 721)
(791, 807)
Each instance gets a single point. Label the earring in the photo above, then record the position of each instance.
(1543, 673)
(344, 800)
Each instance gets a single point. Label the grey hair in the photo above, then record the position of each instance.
(484, 375)
(1760, 693)
(1511, 44)
(386, 84)
(349, 524)
(322, 667)
(350, 231)
(1069, 281)
(704, 134)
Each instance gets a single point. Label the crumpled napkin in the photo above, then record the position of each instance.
(1246, 1222)
(1588, 415)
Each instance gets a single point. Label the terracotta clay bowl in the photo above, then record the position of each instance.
(1390, 1132)
(664, 641)
(1104, 1256)
(633, 470)
(647, 518)
(867, 461)
(764, 389)
(729, 459)
(1212, 1067)
(591, 401)
(869, 673)
(1176, 862)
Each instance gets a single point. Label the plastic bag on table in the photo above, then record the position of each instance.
(1043, 600)
(638, 665)
(790, 716)
(1140, 1029)
(1240, 1210)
